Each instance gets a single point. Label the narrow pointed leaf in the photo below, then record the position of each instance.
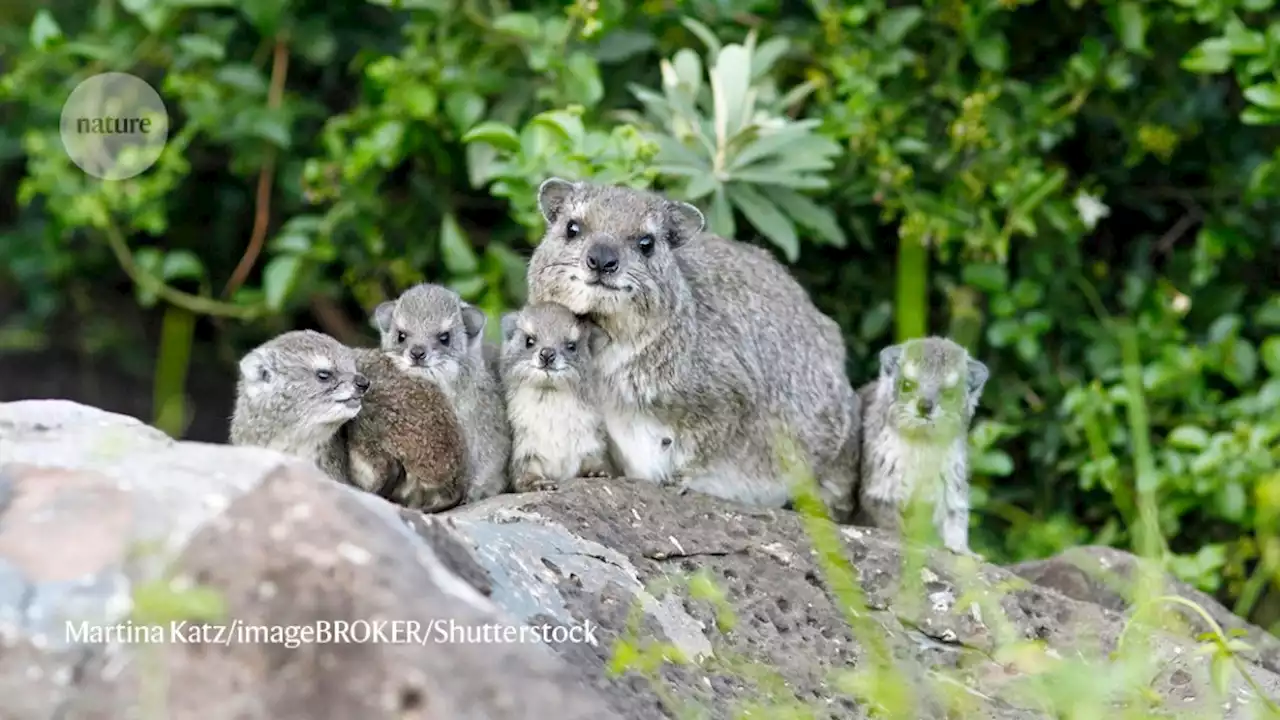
(767, 218)
(807, 213)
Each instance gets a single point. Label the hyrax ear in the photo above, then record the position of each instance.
(254, 367)
(686, 220)
(597, 338)
(978, 375)
(553, 193)
(381, 320)
(473, 320)
(508, 324)
(890, 360)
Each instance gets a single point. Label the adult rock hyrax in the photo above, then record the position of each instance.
(294, 393)
(556, 426)
(406, 445)
(431, 333)
(916, 436)
(715, 352)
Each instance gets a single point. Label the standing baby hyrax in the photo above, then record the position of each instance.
(294, 393)
(916, 436)
(429, 332)
(406, 445)
(557, 430)
(716, 355)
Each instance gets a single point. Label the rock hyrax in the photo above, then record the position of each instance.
(294, 393)
(916, 436)
(430, 332)
(406, 444)
(557, 430)
(715, 352)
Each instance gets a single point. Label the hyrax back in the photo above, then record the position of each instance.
(915, 440)
(406, 444)
(715, 350)
(429, 332)
(293, 394)
(557, 430)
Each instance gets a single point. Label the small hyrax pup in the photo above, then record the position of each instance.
(431, 333)
(294, 393)
(916, 434)
(717, 357)
(556, 426)
(406, 445)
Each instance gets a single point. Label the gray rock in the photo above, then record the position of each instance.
(99, 513)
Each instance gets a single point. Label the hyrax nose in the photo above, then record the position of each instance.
(546, 355)
(602, 258)
(362, 383)
(417, 352)
(924, 405)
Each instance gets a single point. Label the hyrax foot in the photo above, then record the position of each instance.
(594, 474)
(529, 482)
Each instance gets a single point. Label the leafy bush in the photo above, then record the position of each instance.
(1013, 174)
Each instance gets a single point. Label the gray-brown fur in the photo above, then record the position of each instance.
(430, 332)
(406, 444)
(714, 348)
(294, 393)
(915, 436)
(556, 427)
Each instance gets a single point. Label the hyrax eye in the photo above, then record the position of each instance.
(529, 341)
(645, 244)
(400, 336)
(572, 229)
(907, 386)
(323, 375)
(571, 346)
(443, 338)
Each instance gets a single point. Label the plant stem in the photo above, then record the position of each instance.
(911, 307)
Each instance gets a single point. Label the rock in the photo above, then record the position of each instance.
(101, 508)
(99, 514)
(1105, 576)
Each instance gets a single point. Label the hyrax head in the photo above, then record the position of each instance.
(935, 385)
(547, 345)
(430, 330)
(304, 375)
(608, 249)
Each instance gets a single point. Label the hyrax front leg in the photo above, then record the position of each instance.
(596, 465)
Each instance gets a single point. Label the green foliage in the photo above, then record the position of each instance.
(1034, 167)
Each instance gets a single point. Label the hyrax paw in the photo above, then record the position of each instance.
(594, 474)
(534, 483)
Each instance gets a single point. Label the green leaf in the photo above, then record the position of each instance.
(459, 258)
(768, 53)
(1257, 116)
(730, 83)
(720, 215)
(564, 123)
(586, 86)
(1242, 365)
(1131, 25)
(464, 108)
(1188, 437)
(809, 214)
(182, 264)
(246, 78)
(1269, 314)
(993, 463)
(765, 216)
(420, 100)
(992, 53)
(704, 34)
(523, 25)
(497, 134)
(278, 278)
(1266, 95)
(1209, 57)
(44, 30)
(264, 15)
(1270, 353)
(202, 46)
(896, 23)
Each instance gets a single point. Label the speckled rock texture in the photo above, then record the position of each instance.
(95, 507)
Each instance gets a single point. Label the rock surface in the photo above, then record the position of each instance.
(96, 510)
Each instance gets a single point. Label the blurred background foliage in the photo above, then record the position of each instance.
(1037, 179)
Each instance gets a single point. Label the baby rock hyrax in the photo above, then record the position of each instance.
(431, 333)
(294, 393)
(557, 430)
(406, 445)
(916, 435)
(715, 352)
